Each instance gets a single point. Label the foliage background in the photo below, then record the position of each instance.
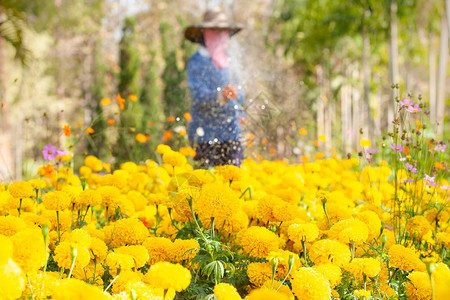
(325, 66)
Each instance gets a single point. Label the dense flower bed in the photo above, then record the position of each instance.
(267, 230)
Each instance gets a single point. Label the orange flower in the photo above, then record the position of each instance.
(105, 101)
(79, 124)
(168, 135)
(67, 130)
(171, 119)
(132, 97)
(406, 150)
(316, 143)
(249, 144)
(251, 136)
(142, 138)
(90, 130)
(319, 155)
(259, 157)
(303, 131)
(304, 158)
(121, 102)
(272, 151)
(151, 124)
(264, 141)
(188, 116)
(439, 165)
(187, 151)
(111, 122)
(182, 132)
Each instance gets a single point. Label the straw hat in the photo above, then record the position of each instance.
(214, 18)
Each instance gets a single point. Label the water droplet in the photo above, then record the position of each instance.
(200, 131)
(236, 107)
(178, 119)
(263, 107)
(216, 140)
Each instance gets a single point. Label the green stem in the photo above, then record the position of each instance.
(353, 250)
(212, 227)
(432, 287)
(304, 252)
(31, 290)
(111, 283)
(73, 265)
(59, 231)
(20, 206)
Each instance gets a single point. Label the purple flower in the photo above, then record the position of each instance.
(49, 152)
(445, 187)
(372, 151)
(62, 152)
(440, 147)
(413, 108)
(406, 102)
(429, 181)
(388, 227)
(402, 159)
(370, 159)
(397, 147)
(411, 168)
(408, 180)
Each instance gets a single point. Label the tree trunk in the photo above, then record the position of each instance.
(432, 81)
(366, 76)
(393, 56)
(441, 80)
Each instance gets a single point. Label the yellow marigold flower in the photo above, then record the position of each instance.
(418, 226)
(309, 284)
(73, 192)
(183, 250)
(251, 208)
(349, 231)
(231, 173)
(125, 278)
(225, 291)
(434, 215)
(38, 184)
(279, 287)
(284, 211)
(258, 241)
(360, 266)
(110, 196)
(405, 259)
(85, 171)
(98, 249)
(29, 250)
(419, 286)
(329, 251)
(362, 293)
(6, 249)
(331, 272)
(115, 261)
(129, 232)
(64, 258)
(21, 189)
(57, 200)
(372, 221)
(444, 238)
(80, 236)
(174, 158)
(441, 277)
(12, 281)
(93, 163)
(168, 276)
(307, 232)
(161, 148)
(118, 179)
(10, 225)
(158, 249)
(264, 293)
(216, 200)
(126, 206)
(259, 272)
(266, 207)
(138, 252)
(139, 201)
(90, 198)
(365, 143)
(75, 289)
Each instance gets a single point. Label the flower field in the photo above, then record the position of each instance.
(268, 230)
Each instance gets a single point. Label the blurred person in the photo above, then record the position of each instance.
(217, 98)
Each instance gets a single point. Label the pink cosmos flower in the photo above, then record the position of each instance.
(397, 147)
(413, 108)
(49, 152)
